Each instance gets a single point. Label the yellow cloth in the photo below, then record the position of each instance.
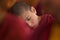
(55, 32)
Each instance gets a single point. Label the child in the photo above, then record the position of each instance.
(40, 24)
(26, 12)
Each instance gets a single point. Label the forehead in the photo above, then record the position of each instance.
(27, 13)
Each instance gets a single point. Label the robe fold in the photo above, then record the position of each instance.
(13, 28)
(43, 29)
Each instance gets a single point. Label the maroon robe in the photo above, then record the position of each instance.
(43, 29)
(13, 28)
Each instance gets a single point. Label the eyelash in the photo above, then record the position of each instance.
(28, 18)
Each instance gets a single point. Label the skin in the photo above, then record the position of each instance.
(30, 17)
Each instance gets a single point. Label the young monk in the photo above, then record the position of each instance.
(40, 24)
(11, 28)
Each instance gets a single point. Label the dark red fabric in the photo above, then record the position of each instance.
(13, 28)
(39, 9)
(43, 29)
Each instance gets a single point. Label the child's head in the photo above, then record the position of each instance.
(27, 12)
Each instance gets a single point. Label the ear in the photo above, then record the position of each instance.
(33, 10)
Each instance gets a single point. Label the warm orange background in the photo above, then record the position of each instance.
(31, 2)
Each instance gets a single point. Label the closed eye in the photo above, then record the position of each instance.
(28, 18)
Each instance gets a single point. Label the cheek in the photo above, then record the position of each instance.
(34, 20)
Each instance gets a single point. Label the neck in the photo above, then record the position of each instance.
(39, 19)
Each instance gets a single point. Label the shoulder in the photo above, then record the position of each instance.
(47, 18)
(14, 20)
(11, 20)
